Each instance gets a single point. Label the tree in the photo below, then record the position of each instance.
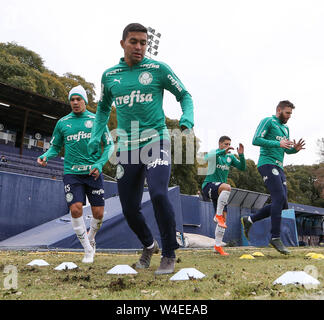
(24, 69)
(25, 56)
(320, 143)
(319, 184)
(70, 80)
(183, 174)
(250, 179)
(305, 184)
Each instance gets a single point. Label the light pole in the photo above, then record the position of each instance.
(153, 42)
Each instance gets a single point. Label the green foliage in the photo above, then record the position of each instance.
(301, 184)
(25, 56)
(305, 183)
(320, 143)
(24, 69)
(70, 80)
(183, 175)
(319, 185)
(250, 179)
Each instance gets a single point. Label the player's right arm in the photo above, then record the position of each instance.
(56, 143)
(102, 117)
(211, 158)
(260, 134)
(219, 152)
(239, 163)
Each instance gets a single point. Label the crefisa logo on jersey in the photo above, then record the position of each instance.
(88, 124)
(145, 78)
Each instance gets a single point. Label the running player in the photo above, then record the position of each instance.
(272, 135)
(215, 186)
(135, 86)
(82, 172)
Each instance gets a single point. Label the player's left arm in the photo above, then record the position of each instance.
(173, 84)
(108, 150)
(56, 144)
(239, 163)
(102, 117)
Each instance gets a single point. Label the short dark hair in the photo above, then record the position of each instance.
(284, 104)
(223, 138)
(133, 27)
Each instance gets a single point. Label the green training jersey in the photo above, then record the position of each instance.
(268, 136)
(219, 163)
(73, 132)
(137, 94)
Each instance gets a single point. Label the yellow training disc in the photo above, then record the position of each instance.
(246, 256)
(257, 254)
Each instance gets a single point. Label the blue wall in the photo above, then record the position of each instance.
(198, 219)
(260, 232)
(26, 202)
(115, 232)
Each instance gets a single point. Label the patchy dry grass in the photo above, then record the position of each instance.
(227, 278)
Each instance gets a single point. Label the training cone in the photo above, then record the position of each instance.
(257, 254)
(310, 254)
(296, 277)
(187, 273)
(313, 255)
(38, 262)
(122, 269)
(246, 256)
(66, 266)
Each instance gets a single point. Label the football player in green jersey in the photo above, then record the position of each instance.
(135, 87)
(215, 186)
(272, 135)
(82, 171)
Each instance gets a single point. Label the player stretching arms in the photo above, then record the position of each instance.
(82, 171)
(272, 135)
(215, 186)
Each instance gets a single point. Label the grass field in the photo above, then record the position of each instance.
(227, 278)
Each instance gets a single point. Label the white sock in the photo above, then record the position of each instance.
(95, 225)
(219, 234)
(80, 230)
(222, 202)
